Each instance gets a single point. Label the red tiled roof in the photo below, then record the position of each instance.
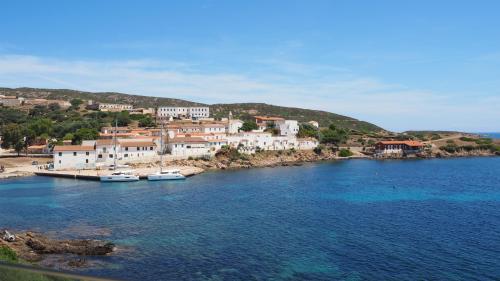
(408, 142)
(267, 118)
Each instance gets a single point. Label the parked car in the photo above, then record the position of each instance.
(34, 163)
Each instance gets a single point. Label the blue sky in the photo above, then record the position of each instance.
(400, 64)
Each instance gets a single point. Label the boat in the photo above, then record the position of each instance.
(166, 175)
(118, 176)
(172, 174)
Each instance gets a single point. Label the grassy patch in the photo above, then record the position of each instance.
(6, 254)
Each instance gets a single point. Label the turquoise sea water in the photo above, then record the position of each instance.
(345, 220)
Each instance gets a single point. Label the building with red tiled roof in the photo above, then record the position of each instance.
(396, 147)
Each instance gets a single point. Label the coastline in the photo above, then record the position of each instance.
(190, 167)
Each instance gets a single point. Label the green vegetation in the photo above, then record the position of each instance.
(334, 135)
(232, 153)
(246, 111)
(6, 254)
(21, 128)
(319, 149)
(249, 126)
(345, 152)
(307, 131)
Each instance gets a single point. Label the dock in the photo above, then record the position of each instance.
(94, 175)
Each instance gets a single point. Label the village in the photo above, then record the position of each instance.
(191, 133)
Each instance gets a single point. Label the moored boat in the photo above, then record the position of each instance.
(166, 175)
(120, 176)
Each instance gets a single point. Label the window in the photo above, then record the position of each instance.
(138, 148)
(126, 148)
(60, 153)
(99, 156)
(74, 153)
(87, 161)
(87, 153)
(111, 156)
(151, 148)
(126, 155)
(59, 161)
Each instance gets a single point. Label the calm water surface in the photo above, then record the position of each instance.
(346, 220)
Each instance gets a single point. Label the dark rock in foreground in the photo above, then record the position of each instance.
(31, 246)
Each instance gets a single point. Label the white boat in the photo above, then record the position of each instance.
(120, 176)
(166, 175)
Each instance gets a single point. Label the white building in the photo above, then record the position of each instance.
(74, 157)
(314, 124)
(113, 107)
(11, 101)
(234, 126)
(288, 127)
(307, 143)
(188, 146)
(213, 128)
(167, 112)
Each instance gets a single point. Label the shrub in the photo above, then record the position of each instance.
(435, 137)
(318, 149)
(345, 153)
(450, 148)
(466, 139)
(6, 254)
(450, 141)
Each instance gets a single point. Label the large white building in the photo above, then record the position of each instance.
(288, 127)
(195, 112)
(188, 146)
(74, 157)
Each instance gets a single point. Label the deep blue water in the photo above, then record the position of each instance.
(491, 135)
(345, 220)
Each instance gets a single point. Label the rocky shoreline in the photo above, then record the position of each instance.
(297, 158)
(274, 159)
(34, 247)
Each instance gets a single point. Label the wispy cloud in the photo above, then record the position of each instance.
(390, 105)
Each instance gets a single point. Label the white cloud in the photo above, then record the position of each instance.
(389, 105)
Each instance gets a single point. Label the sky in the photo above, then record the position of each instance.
(403, 65)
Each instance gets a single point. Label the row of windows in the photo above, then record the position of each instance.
(184, 109)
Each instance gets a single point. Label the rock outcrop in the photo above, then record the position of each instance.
(31, 246)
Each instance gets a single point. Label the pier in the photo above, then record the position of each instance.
(94, 175)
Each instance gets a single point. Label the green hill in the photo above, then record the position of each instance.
(244, 111)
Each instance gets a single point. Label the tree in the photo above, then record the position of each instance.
(334, 136)
(249, 126)
(307, 130)
(84, 134)
(54, 107)
(41, 126)
(13, 136)
(75, 103)
(123, 118)
(146, 121)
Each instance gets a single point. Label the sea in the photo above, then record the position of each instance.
(490, 135)
(433, 219)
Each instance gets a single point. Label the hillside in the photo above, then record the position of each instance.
(105, 97)
(239, 110)
(246, 110)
